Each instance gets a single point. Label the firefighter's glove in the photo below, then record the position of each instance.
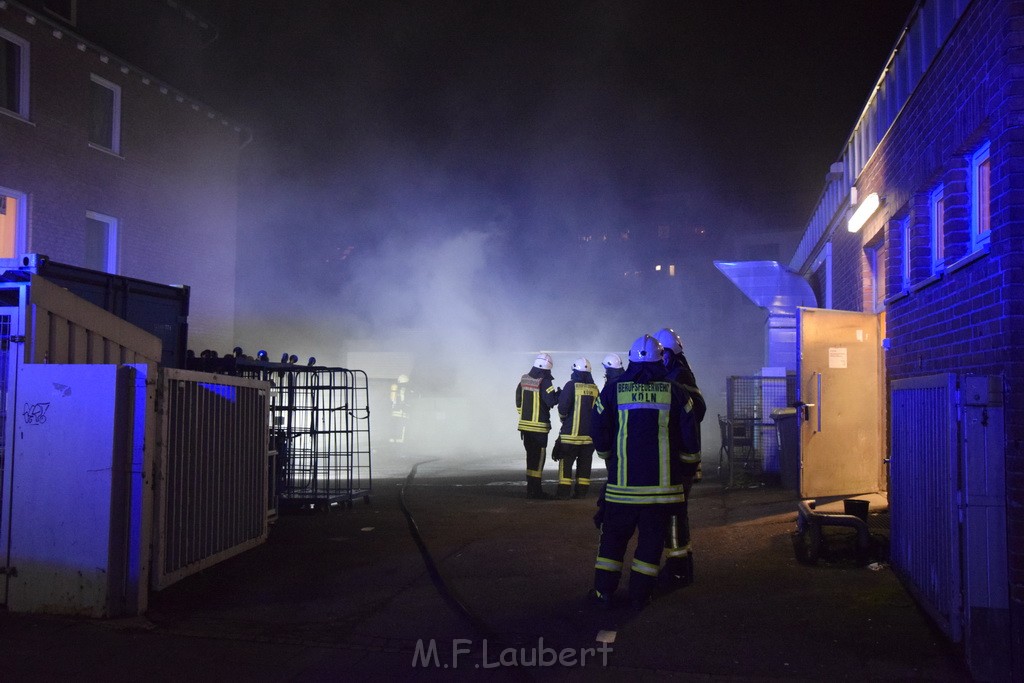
(556, 451)
(603, 454)
(599, 515)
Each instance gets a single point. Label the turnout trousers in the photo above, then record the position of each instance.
(650, 522)
(536, 444)
(582, 456)
(678, 569)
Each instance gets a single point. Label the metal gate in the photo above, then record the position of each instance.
(925, 474)
(748, 432)
(211, 471)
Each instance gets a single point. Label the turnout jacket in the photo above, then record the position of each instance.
(575, 405)
(641, 424)
(611, 374)
(679, 372)
(535, 397)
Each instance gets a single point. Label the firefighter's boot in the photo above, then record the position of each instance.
(581, 490)
(533, 489)
(563, 491)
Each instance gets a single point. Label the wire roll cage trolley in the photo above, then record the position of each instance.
(320, 427)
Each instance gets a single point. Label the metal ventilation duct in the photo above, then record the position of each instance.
(770, 285)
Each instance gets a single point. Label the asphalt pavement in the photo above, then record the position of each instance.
(451, 573)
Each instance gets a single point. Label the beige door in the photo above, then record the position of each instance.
(839, 357)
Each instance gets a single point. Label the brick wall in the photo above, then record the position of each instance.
(173, 187)
(971, 318)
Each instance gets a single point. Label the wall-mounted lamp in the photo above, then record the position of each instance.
(866, 209)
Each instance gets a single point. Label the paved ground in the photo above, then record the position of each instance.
(484, 583)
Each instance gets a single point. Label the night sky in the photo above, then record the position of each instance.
(748, 100)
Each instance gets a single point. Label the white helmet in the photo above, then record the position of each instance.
(645, 349)
(612, 360)
(669, 340)
(581, 364)
(543, 361)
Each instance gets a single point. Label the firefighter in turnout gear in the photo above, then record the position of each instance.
(678, 568)
(641, 423)
(574, 445)
(612, 367)
(536, 395)
(400, 396)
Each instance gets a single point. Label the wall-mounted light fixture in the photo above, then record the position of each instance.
(866, 209)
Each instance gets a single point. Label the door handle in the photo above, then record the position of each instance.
(819, 400)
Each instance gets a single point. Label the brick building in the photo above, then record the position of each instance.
(105, 166)
(921, 223)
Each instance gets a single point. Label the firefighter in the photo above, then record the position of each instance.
(536, 395)
(400, 396)
(612, 367)
(641, 422)
(574, 444)
(678, 568)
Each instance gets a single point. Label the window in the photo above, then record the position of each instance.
(938, 223)
(13, 74)
(904, 230)
(12, 223)
(981, 184)
(876, 266)
(104, 114)
(100, 242)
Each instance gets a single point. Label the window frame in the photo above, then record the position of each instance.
(978, 196)
(115, 125)
(24, 74)
(904, 229)
(877, 275)
(937, 227)
(113, 225)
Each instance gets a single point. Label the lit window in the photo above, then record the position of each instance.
(672, 270)
(938, 222)
(12, 223)
(981, 184)
(100, 242)
(104, 114)
(13, 74)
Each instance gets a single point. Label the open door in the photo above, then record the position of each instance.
(838, 364)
